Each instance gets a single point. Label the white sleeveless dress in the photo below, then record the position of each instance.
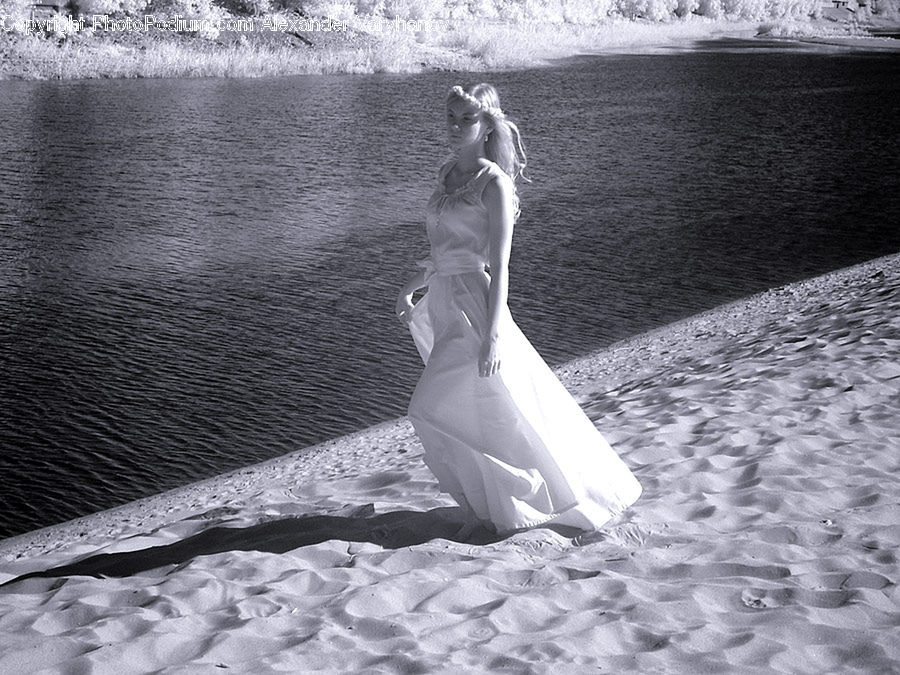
(515, 447)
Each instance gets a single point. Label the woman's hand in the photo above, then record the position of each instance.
(489, 359)
(405, 299)
(404, 306)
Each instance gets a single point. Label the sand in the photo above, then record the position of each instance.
(766, 434)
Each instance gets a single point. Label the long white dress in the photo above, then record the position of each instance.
(515, 447)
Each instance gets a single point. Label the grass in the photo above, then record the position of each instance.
(466, 45)
(37, 58)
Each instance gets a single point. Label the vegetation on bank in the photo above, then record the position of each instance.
(247, 38)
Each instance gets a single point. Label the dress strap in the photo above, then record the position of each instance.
(487, 173)
(474, 178)
(445, 169)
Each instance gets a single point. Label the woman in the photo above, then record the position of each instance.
(500, 432)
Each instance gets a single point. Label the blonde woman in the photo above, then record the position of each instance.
(501, 434)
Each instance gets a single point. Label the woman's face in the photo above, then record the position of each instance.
(465, 124)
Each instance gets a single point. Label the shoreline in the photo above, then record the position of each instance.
(763, 433)
(661, 350)
(143, 50)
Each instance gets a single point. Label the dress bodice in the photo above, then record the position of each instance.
(457, 222)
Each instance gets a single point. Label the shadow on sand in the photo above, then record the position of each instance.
(395, 529)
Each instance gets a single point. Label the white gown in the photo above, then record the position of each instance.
(515, 447)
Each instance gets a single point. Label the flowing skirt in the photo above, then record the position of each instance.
(515, 447)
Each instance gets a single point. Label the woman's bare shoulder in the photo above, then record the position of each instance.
(496, 178)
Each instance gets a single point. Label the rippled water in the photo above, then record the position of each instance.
(200, 274)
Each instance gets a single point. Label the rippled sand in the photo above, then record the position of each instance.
(765, 433)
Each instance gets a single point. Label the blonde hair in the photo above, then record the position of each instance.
(504, 143)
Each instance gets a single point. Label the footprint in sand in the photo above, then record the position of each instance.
(383, 479)
(758, 598)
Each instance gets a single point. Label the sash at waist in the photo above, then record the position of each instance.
(447, 266)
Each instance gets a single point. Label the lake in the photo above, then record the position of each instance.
(200, 274)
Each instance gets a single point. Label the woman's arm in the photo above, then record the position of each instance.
(404, 300)
(498, 199)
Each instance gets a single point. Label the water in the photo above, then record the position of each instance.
(200, 274)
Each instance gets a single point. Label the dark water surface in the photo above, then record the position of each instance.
(200, 274)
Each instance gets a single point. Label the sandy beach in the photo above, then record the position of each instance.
(766, 434)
